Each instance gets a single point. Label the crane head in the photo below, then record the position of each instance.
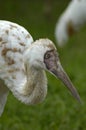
(43, 55)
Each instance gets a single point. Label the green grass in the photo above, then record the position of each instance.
(59, 111)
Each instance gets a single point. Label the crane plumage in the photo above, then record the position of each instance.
(71, 20)
(23, 62)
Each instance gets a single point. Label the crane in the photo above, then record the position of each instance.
(71, 20)
(23, 63)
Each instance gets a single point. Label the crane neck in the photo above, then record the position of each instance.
(35, 88)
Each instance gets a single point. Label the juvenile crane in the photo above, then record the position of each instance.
(72, 19)
(22, 65)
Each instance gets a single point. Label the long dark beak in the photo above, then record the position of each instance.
(59, 72)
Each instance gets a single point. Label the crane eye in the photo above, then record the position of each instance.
(47, 56)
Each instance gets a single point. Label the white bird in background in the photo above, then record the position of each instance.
(22, 65)
(72, 19)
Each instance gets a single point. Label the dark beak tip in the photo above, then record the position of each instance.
(67, 82)
(80, 101)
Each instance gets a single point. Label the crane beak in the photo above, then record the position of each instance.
(59, 72)
(53, 65)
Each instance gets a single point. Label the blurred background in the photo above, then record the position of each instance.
(59, 111)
